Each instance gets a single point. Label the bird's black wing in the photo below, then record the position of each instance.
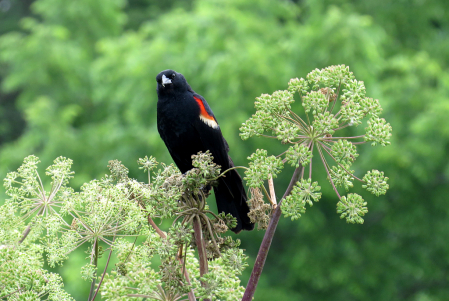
(230, 193)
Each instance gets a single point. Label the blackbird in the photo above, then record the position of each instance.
(187, 126)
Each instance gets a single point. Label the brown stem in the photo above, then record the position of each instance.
(310, 163)
(95, 262)
(153, 224)
(28, 229)
(327, 170)
(102, 276)
(201, 249)
(25, 234)
(186, 275)
(266, 242)
(200, 245)
(353, 137)
(341, 165)
(10, 294)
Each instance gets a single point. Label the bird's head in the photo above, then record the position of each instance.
(169, 81)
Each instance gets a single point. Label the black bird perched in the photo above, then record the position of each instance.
(187, 126)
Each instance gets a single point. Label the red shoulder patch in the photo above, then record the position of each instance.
(204, 116)
(203, 111)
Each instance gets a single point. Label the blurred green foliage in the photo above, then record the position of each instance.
(77, 80)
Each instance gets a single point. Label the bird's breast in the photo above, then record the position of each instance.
(175, 117)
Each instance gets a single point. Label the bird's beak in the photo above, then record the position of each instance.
(165, 80)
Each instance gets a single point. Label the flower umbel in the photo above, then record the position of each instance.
(333, 100)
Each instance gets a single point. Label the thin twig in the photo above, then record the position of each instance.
(268, 136)
(229, 169)
(311, 159)
(28, 229)
(138, 296)
(95, 262)
(336, 97)
(301, 128)
(339, 164)
(211, 233)
(304, 124)
(362, 142)
(200, 246)
(16, 291)
(201, 249)
(272, 192)
(341, 127)
(327, 170)
(186, 274)
(266, 194)
(353, 137)
(102, 276)
(153, 224)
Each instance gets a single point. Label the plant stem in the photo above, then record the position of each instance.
(339, 164)
(102, 277)
(10, 294)
(153, 224)
(95, 262)
(25, 234)
(327, 170)
(310, 164)
(267, 239)
(201, 249)
(336, 97)
(353, 137)
(28, 229)
(272, 192)
(229, 169)
(186, 274)
(200, 245)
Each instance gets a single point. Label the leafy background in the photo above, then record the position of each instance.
(77, 80)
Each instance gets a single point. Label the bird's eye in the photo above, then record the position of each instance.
(173, 75)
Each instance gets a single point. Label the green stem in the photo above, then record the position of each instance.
(229, 169)
(266, 194)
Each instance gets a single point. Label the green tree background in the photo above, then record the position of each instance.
(78, 80)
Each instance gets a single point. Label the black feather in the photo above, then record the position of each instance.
(185, 134)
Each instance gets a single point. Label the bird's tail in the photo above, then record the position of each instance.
(231, 198)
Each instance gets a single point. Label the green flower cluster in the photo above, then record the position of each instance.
(352, 208)
(333, 101)
(261, 167)
(35, 221)
(298, 154)
(303, 193)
